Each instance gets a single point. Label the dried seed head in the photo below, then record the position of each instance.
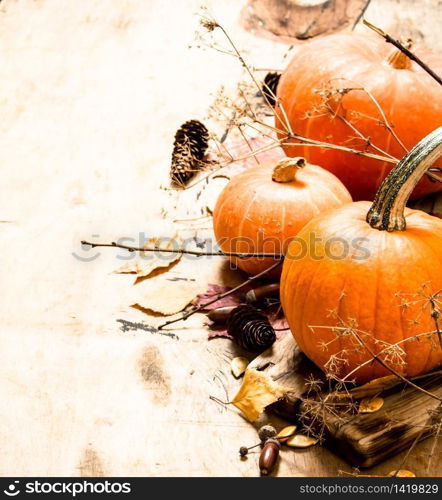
(266, 432)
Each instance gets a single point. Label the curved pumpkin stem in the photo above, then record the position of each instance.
(387, 210)
(286, 169)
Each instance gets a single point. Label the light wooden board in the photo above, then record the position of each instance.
(91, 95)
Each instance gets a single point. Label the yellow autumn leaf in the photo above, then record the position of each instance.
(374, 387)
(169, 299)
(257, 391)
(147, 262)
(370, 405)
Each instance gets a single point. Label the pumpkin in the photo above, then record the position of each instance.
(365, 281)
(335, 88)
(263, 207)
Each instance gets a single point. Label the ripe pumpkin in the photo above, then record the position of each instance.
(325, 86)
(262, 208)
(370, 276)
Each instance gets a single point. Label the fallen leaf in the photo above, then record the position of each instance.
(257, 391)
(301, 441)
(169, 299)
(147, 262)
(286, 433)
(401, 473)
(370, 405)
(238, 366)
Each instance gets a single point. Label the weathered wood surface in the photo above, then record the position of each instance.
(92, 93)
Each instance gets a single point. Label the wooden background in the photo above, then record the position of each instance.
(91, 95)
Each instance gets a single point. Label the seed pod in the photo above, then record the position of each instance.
(220, 314)
(269, 456)
(191, 142)
(250, 329)
(263, 292)
(271, 81)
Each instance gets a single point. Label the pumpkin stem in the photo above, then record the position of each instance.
(398, 59)
(285, 170)
(387, 210)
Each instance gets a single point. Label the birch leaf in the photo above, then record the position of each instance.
(258, 390)
(169, 299)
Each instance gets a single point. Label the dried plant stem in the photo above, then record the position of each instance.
(201, 307)
(408, 53)
(183, 251)
(375, 357)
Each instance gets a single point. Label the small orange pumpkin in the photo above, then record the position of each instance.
(370, 284)
(335, 90)
(262, 208)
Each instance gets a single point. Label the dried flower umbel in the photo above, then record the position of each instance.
(250, 329)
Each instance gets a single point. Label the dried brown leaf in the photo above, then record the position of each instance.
(257, 392)
(169, 299)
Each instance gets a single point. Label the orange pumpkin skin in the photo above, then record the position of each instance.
(321, 294)
(255, 214)
(410, 99)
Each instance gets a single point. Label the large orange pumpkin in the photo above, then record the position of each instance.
(262, 208)
(334, 90)
(356, 285)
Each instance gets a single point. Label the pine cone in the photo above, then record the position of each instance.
(191, 141)
(271, 81)
(250, 329)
